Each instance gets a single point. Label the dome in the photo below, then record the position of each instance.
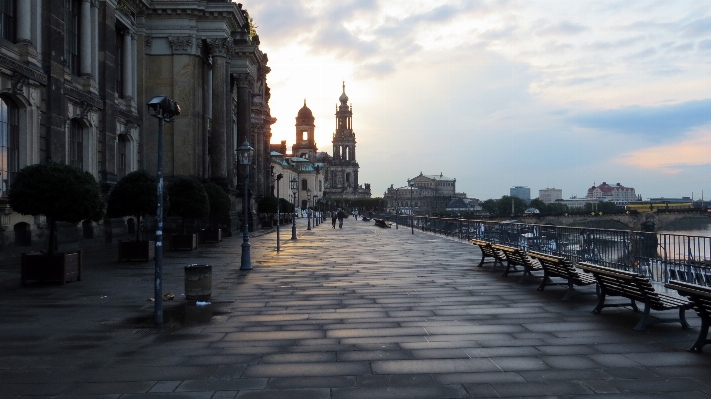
(343, 98)
(305, 112)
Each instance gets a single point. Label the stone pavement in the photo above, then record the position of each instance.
(361, 312)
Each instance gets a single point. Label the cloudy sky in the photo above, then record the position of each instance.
(502, 93)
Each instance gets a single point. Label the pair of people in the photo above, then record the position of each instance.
(340, 215)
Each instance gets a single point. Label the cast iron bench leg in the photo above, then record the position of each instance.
(600, 303)
(571, 292)
(703, 333)
(682, 318)
(644, 320)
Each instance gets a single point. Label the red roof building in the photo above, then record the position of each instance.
(618, 193)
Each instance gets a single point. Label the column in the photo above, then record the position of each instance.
(134, 66)
(85, 38)
(219, 49)
(24, 22)
(244, 107)
(95, 39)
(127, 67)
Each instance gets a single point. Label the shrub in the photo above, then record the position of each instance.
(60, 192)
(220, 203)
(134, 195)
(188, 199)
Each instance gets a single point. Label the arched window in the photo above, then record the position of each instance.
(76, 144)
(122, 160)
(348, 177)
(304, 184)
(7, 19)
(72, 12)
(9, 143)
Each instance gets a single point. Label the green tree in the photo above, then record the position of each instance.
(538, 204)
(267, 205)
(490, 206)
(503, 206)
(188, 199)
(285, 206)
(134, 195)
(60, 192)
(220, 203)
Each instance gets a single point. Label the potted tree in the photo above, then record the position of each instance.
(220, 205)
(134, 195)
(188, 199)
(61, 193)
(287, 210)
(268, 206)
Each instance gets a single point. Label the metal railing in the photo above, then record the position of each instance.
(660, 256)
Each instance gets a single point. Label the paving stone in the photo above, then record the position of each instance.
(570, 362)
(478, 378)
(519, 363)
(541, 389)
(312, 382)
(307, 369)
(165, 386)
(433, 392)
(562, 375)
(222, 385)
(432, 366)
(659, 385)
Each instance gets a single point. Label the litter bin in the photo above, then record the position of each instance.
(198, 282)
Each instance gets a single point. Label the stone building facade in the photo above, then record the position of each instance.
(75, 76)
(342, 168)
(423, 195)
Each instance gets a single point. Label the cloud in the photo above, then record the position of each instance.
(665, 122)
(692, 150)
(562, 29)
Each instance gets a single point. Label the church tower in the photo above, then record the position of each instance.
(305, 146)
(343, 169)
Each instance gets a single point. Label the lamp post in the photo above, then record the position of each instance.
(316, 221)
(278, 178)
(412, 187)
(245, 154)
(164, 109)
(308, 214)
(294, 189)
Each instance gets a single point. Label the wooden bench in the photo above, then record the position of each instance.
(701, 297)
(556, 266)
(487, 251)
(517, 257)
(382, 223)
(635, 287)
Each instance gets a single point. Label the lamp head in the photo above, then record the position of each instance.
(163, 107)
(245, 154)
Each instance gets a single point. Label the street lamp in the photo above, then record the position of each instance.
(308, 214)
(245, 153)
(294, 189)
(278, 178)
(164, 109)
(412, 211)
(316, 223)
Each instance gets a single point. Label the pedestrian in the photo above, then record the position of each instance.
(341, 216)
(355, 214)
(333, 219)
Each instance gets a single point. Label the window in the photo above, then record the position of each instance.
(7, 19)
(304, 184)
(9, 143)
(71, 36)
(119, 62)
(76, 144)
(122, 148)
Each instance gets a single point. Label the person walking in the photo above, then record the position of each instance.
(333, 219)
(341, 216)
(355, 214)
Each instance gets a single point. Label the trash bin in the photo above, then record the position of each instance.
(198, 282)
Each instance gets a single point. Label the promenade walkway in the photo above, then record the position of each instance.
(361, 312)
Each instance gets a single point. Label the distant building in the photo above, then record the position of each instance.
(430, 193)
(550, 195)
(521, 192)
(618, 194)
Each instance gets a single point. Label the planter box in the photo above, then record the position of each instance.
(60, 267)
(267, 223)
(211, 235)
(183, 242)
(136, 250)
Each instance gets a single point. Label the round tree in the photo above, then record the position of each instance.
(134, 195)
(267, 205)
(60, 192)
(220, 203)
(188, 199)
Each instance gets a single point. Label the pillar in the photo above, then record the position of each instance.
(219, 49)
(95, 39)
(85, 38)
(127, 67)
(24, 22)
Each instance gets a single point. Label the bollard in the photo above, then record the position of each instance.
(198, 282)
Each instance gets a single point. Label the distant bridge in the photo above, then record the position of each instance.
(621, 221)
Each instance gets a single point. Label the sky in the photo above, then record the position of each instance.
(502, 93)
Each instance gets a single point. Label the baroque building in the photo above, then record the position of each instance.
(75, 76)
(423, 195)
(342, 168)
